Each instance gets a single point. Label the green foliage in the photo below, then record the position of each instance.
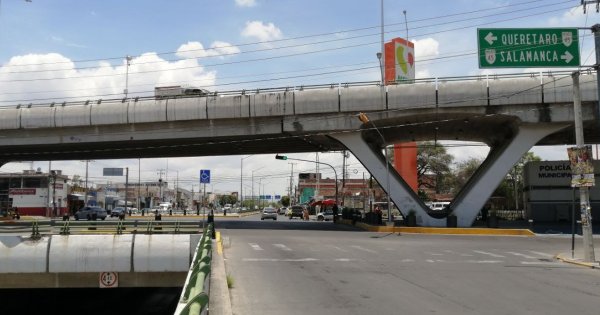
(433, 159)
(285, 201)
(230, 281)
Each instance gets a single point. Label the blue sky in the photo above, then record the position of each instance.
(243, 44)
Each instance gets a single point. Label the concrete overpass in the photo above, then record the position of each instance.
(510, 114)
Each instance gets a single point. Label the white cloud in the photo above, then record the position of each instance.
(245, 3)
(261, 31)
(571, 18)
(46, 78)
(197, 50)
(426, 48)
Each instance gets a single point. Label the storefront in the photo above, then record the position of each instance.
(548, 195)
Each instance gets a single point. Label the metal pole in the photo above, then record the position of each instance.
(584, 198)
(126, 187)
(128, 58)
(203, 207)
(85, 198)
(573, 225)
(382, 45)
(139, 187)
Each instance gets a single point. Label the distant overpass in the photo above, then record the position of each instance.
(510, 114)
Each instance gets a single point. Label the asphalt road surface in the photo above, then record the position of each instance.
(301, 267)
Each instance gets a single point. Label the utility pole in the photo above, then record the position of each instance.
(126, 188)
(291, 181)
(160, 192)
(584, 197)
(139, 187)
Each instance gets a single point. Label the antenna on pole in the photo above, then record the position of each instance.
(406, 24)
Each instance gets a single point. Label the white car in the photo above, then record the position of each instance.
(268, 213)
(325, 216)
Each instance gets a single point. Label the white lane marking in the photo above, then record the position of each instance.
(541, 254)
(364, 249)
(407, 260)
(466, 255)
(345, 259)
(280, 260)
(430, 260)
(255, 246)
(260, 259)
(541, 263)
(484, 261)
(282, 247)
(340, 249)
(488, 253)
(521, 255)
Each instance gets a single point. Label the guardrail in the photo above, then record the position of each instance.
(195, 293)
(51, 227)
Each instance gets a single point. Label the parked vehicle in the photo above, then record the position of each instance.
(91, 213)
(282, 210)
(117, 211)
(269, 213)
(297, 211)
(327, 215)
(439, 205)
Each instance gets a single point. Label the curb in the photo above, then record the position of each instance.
(220, 300)
(577, 262)
(441, 230)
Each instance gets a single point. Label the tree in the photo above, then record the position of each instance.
(509, 187)
(464, 171)
(285, 201)
(433, 159)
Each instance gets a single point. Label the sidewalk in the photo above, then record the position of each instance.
(577, 259)
(219, 299)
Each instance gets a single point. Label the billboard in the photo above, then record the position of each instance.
(582, 166)
(399, 60)
(400, 68)
(107, 171)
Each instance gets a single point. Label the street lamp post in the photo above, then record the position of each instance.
(241, 179)
(365, 119)
(253, 184)
(283, 157)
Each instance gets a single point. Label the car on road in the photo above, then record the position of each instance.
(327, 215)
(91, 213)
(117, 211)
(297, 211)
(282, 210)
(268, 213)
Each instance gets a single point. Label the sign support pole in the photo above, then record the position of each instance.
(584, 197)
(203, 207)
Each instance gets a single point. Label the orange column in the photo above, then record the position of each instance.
(405, 162)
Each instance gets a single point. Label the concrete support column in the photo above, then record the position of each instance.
(373, 160)
(473, 196)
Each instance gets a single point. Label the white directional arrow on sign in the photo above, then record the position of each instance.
(567, 57)
(490, 38)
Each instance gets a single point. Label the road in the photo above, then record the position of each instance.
(297, 267)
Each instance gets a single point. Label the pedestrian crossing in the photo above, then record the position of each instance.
(271, 252)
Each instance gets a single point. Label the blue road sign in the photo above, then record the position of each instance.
(277, 196)
(268, 197)
(204, 176)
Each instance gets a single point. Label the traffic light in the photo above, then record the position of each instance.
(280, 157)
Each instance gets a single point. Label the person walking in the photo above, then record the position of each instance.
(335, 212)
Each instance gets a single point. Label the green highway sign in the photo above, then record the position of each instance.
(528, 47)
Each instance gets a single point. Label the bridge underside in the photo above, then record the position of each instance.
(307, 133)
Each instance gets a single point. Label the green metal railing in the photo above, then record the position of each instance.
(194, 296)
(51, 227)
